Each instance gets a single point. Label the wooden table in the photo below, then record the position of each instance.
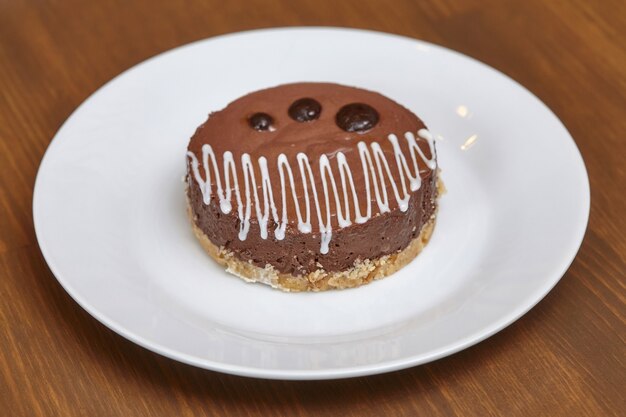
(564, 358)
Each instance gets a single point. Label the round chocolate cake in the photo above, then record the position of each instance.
(312, 186)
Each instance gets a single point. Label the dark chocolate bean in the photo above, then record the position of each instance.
(305, 110)
(356, 117)
(260, 121)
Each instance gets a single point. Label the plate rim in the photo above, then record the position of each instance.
(328, 373)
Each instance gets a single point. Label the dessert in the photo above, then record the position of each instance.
(312, 186)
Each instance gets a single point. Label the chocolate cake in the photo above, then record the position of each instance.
(312, 186)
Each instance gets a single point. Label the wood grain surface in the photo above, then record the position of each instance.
(566, 357)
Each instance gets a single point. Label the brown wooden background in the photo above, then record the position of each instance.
(564, 358)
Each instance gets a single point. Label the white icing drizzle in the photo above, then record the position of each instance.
(376, 170)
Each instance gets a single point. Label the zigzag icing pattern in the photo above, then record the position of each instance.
(376, 171)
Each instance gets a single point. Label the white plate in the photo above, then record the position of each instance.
(109, 210)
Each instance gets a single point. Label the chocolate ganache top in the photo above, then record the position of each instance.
(322, 123)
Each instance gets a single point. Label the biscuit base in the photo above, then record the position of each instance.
(361, 273)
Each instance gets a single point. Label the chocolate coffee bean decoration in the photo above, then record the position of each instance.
(356, 117)
(260, 121)
(305, 110)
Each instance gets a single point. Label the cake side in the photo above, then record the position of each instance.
(298, 253)
(361, 272)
